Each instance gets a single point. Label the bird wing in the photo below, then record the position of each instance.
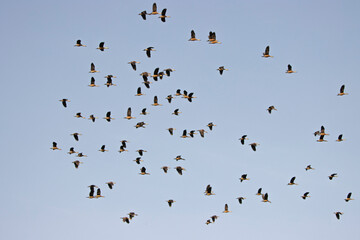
(163, 12)
(349, 195)
(292, 179)
(54, 144)
(193, 34)
(139, 90)
(129, 112)
(154, 7)
(156, 71)
(101, 45)
(78, 42)
(92, 81)
(342, 89)
(289, 67)
(108, 114)
(92, 68)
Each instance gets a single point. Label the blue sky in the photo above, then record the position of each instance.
(45, 196)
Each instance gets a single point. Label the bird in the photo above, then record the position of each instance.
(332, 176)
(165, 169)
(143, 14)
(102, 149)
(202, 132)
(254, 145)
(78, 115)
(132, 215)
(79, 44)
(138, 160)
(177, 158)
(190, 97)
(92, 191)
(240, 199)
(308, 167)
(168, 71)
(292, 181)
(92, 68)
(208, 222)
(342, 88)
(321, 139)
(265, 198)
(123, 143)
(77, 163)
(126, 219)
(76, 136)
(154, 10)
(146, 83)
(348, 197)
(266, 54)
(211, 125)
(101, 46)
(71, 151)
(133, 64)
(169, 98)
(109, 82)
(110, 184)
(92, 83)
(141, 124)
(170, 202)
(148, 51)
(271, 108)
(214, 217)
(156, 102)
(54, 147)
(322, 131)
(306, 195)
(226, 210)
(92, 118)
(128, 114)
(337, 214)
(192, 133)
(64, 101)
(176, 112)
(340, 139)
(212, 38)
(243, 177)
(178, 92)
(138, 92)
(221, 69)
(98, 193)
(81, 155)
(143, 171)
(184, 134)
(289, 70)
(259, 191)
(143, 112)
(163, 15)
(193, 37)
(171, 131)
(208, 190)
(122, 149)
(180, 169)
(108, 117)
(185, 94)
(243, 138)
(141, 151)
(156, 74)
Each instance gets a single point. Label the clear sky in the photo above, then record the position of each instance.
(45, 197)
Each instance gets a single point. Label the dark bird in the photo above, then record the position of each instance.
(292, 181)
(208, 222)
(306, 195)
(243, 138)
(192, 133)
(340, 139)
(221, 69)
(63, 101)
(92, 118)
(156, 102)
(211, 125)
(78, 115)
(169, 98)
(289, 70)
(133, 64)
(148, 51)
(110, 184)
(254, 145)
(212, 38)
(178, 92)
(342, 88)
(308, 167)
(141, 151)
(332, 176)
(337, 214)
(240, 199)
(92, 191)
(165, 169)
(102, 149)
(128, 114)
(79, 44)
(154, 10)
(140, 124)
(138, 92)
(132, 215)
(171, 131)
(81, 155)
(54, 147)
(92, 82)
(214, 217)
(190, 97)
(143, 112)
(180, 169)
(265, 198)
(170, 202)
(322, 131)
(143, 171)
(321, 139)
(271, 108)
(176, 112)
(193, 37)
(126, 219)
(168, 71)
(348, 197)
(177, 158)
(184, 134)
(108, 116)
(266, 54)
(244, 177)
(259, 191)
(122, 149)
(146, 83)
(98, 193)
(138, 160)
(109, 82)
(226, 209)
(143, 15)
(163, 15)
(71, 151)
(208, 190)
(77, 163)
(101, 46)
(123, 143)
(156, 74)
(92, 68)
(76, 136)
(202, 132)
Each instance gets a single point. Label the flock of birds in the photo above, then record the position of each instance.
(189, 96)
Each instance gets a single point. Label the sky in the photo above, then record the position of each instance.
(45, 197)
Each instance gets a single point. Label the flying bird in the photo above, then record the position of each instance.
(163, 15)
(138, 92)
(169, 98)
(77, 163)
(332, 176)
(244, 177)
(254, 145)
(78, 115)
(133, 64)
(165, 169)
(156, 74)
(76, 136)
(348, 197)
(214, 217)
(92, 118)
(176, 112)
(266, 54)
(81, 155)
(140, 124)
(128, 114)
(212, 38)
(170, 202)
(221, 69)
(208, 190)
(143, 14)
(202, 132)
(109, 82)
(271, 108)
(289, 70)
(54, 147)
(101, 46)
(92, 191)
(193, 37)
(192, 133)
(340, 139)
(180, 169)
(321, 139)
(122, 149)
(110, 184)
(265, 197)
(108, 117)
(240, 199)
(92, 68)
(171, 131)
(184, 134)
(308, 167)
(156, 102)
(138, 160)
(148, 51)
(143, 112)
(177, 158)
(123, 143)
(226, 209)
(243, 138)
(141, 151)
(168, 71)
(154, 10)
(98, 193)
(64, 101)
(259, 191)
(342, 93)
(306, 195)
(292, 181)
(79, 44)
(71, 151)
(92, 83)
(143, 171)
(337, 214)
(126, 219)
(132, 215)
(102, 149)
(211, 125)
